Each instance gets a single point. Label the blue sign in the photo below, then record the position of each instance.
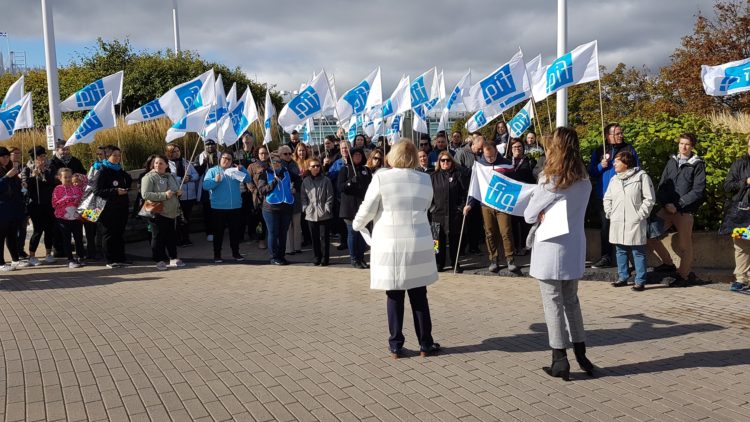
(519, 123)
(152, 109)
(306, 103)
(357, 97)
(480, 118)
(736, 77)
(180, 124)
(91, 123)
(418, 91)
(498, 85)
(560, 73)
(8, 118)
(190, 95)
(502, 194)
(90, 95)
(239, 121)
(387, 108)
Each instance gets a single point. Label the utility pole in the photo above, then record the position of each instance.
(53, 87)
(562, 41)
(176, 24)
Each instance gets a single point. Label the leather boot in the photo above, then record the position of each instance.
(560, 367)
(580, 350)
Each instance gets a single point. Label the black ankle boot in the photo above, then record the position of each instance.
(560, 367)
(583, 361)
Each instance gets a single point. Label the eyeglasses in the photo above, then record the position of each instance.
(445, 160)
(312, 166)
(276, 161)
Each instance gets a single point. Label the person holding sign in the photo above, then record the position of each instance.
(558, 262)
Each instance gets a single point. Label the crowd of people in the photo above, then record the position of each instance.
(300, 196)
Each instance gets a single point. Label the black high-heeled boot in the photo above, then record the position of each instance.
(560, 367)
(580, 350)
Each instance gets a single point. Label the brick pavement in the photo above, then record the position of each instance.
(255, 342)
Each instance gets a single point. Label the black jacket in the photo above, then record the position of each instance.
(106, 185)
(523, 169)
(39, 187)
(684, 186)
(449, 197)
(74, 165)
(736, 182)
(11, 199)
(353, 186)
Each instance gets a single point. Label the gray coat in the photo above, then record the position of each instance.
(317, 198)
(562, 257)
(627, 203)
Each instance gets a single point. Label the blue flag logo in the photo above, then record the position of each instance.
(735, 78)
(480, 118)
(267, 123)
(520, 122)
(190, 95)
(239, 121)
(418, 91)
(305, 104)
(89, 124)
(452, 99)
(498, 85)
(152, 109)
(180, 124)
(90, 95)
(396, 124)
(388, 108)
(502, 194)
(560, 73)
(357, 97)
(8, 118)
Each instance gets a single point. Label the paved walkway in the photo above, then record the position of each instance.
(256, 342)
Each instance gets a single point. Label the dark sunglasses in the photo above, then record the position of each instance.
(422, 145)
(445, 160)
(315, 165)
(377, 158)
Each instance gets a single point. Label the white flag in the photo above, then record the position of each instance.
(232, 96)
(307, 104)
(503, 88)
(15, 94)
(400, 100)
(376, 93)
(149, 111)
(186, 97)
(268, 113)
(90, 95)
(521, 121)
(479, 119)
(236, 122)
(535, 70)
(456, 98)
(726, 79)
(221, 98)
(419, 120)
(357, 100)
(330, 106)
(102, 116)
(393, 128)
(18, 115)
(579, 66)
(194, 121)
(424, 88)
(498, 191)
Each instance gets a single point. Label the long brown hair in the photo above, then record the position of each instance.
(564, 165)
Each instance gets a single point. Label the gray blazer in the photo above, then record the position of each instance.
(317, 198)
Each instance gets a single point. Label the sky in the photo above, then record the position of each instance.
(283, 42)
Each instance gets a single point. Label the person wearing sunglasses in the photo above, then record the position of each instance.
(317, 202)
(294, 234)
(275, 185)
(375, 161)
(450, 184)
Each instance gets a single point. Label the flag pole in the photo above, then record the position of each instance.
(463, 223)
(601, 111)
(549, 116)
(192, 156)
(536, 118)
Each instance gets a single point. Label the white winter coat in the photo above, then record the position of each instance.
(402, 254)
(627, 204)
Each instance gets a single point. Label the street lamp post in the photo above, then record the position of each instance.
(176, 25)
(562, 41)
(53, 88)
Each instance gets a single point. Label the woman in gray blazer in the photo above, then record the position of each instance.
(558, 263)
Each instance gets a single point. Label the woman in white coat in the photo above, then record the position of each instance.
(627, 204)
(558, 263)
(403, 259)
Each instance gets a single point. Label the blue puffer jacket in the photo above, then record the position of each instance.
(226, 194)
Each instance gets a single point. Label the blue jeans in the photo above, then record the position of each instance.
(639, 260)
(356, 243)
(277, 223)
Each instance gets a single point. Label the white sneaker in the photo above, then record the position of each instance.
(8, 267)
(49, 259)
(34, 261)
(73, 264)
(161, 266)
(210, 238)
(20, 264)
(176, 263)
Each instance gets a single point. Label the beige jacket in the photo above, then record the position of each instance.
(627, 204)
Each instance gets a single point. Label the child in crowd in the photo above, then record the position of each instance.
(65, 200)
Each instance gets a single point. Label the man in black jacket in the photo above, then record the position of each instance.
(738, 184)
(680, 193)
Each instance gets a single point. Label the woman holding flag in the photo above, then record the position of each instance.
(558, 262)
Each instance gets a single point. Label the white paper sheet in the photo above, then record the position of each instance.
(555, 222)
(234, 173)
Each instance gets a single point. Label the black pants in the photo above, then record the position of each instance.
(420, 309)
(520, 231)
(9, 236)
(23, 225)
(43, 219)
(207, 212)
(163, 237)
(183, 229)
(306, 231)
(114, 219)
(473, 229)
(66, 228)
(223, 219)
(452, 239)
(607, 248)
(249, 217)
(91, 245)
(321, 245)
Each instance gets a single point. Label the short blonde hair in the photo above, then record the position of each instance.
(403, 154)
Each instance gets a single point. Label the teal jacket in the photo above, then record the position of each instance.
(226, 194)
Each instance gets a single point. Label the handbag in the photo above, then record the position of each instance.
(151, 209)
(91, 206)
(736, 215)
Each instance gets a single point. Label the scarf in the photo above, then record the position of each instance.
(111, 166)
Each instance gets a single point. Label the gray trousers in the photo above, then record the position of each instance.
(562, 312)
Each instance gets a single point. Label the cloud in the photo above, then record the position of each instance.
(283, 42)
